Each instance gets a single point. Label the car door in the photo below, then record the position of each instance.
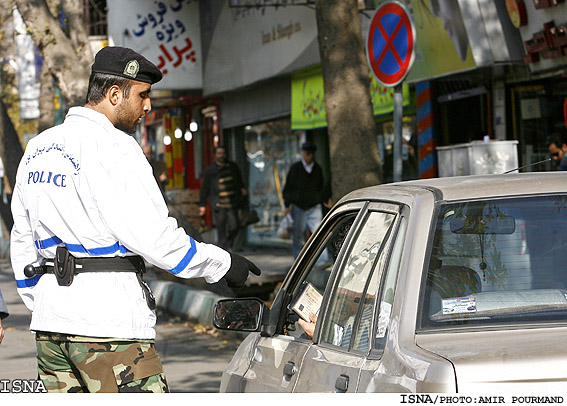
(276, 359)
(355, 307)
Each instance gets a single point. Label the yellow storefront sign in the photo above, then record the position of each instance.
(308, 101)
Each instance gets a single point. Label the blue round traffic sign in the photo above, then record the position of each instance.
(390, 44)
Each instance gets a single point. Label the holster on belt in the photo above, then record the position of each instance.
(66, 266)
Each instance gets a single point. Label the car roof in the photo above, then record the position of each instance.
(468, 187)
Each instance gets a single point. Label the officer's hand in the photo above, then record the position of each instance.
(238, 272)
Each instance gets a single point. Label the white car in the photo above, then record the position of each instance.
(442, 285)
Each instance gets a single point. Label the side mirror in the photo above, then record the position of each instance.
(242, 314)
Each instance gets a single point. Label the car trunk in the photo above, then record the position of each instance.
(519, 360)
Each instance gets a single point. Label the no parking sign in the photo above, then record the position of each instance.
(390, 45)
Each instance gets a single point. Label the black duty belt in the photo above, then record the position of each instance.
(65, 266)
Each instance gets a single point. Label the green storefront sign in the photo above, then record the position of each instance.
(308, 101)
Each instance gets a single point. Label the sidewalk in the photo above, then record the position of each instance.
(17, 350)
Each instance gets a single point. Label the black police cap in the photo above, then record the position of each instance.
(125, 63)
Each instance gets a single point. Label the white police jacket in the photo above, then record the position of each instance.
(87, 185)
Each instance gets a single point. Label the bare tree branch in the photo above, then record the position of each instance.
(46, 105)
(64, 59)
(78, 34)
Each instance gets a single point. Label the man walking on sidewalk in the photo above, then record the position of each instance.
(302, 195)
(87, 213)
(224, 188)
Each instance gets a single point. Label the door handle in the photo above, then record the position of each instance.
(341, 384)
(290, 369)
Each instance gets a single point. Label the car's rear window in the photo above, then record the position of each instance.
(501, 261)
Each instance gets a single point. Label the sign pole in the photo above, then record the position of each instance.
(398, 113)
(390, 52)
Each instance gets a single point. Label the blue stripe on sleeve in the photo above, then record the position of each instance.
(186, 259)
(28, 283)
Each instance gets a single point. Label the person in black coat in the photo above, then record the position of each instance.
(302, 195)
(224, 188)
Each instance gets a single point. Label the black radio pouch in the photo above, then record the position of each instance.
(64, 266)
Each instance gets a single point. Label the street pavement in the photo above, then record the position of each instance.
(193, 353)
(17, 351)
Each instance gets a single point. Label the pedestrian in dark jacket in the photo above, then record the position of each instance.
(302, 195)
(224, 188)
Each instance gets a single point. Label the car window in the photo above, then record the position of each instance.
(348, 320)
(497, 261)
(321, 265)
(325, 260)
(388, 287)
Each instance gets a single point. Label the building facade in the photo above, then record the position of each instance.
(247, 75)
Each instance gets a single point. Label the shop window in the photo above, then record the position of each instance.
(538, 112)
(95, 15)
(271, 149)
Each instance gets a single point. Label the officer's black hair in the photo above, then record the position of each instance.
(99, 83)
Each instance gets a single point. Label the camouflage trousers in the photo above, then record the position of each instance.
(86, 364)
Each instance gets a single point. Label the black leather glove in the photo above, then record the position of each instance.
(238, 272)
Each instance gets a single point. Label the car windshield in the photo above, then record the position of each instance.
(500, 261)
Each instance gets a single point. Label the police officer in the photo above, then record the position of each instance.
(87, 213)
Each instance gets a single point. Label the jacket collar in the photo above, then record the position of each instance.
(90, 114)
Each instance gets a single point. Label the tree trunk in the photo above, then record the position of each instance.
(355, 158)
(46, 106)
(46, 101)
(65, 59)
(78, 32)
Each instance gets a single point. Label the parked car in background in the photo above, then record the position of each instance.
(442, 285)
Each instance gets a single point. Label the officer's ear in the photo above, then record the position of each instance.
(114, 95)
